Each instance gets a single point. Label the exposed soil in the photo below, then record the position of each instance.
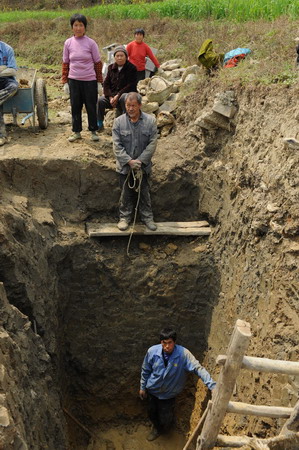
(80, 314)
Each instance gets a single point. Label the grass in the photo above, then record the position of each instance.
(235, 10)
(40, 42)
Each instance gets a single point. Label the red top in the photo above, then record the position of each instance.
(137, 53)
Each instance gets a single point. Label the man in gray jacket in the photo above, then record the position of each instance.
(134, 143)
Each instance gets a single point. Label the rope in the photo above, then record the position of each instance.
(137, 176)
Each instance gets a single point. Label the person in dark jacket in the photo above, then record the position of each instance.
(121, 78)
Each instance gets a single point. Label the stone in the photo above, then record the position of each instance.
(291, 143)
(276, 227)
(172, 64)
(150, 107)
(226, 98)
(43, 215)
(202, 123)
(142, 85)
(158, 89)
(165, 118)
(218, 120)
(191, 69)
(109, 119)
(177, 86)
(170, 249)
(4, 417)
(225, 110)
(2, 374)
(167, 74)
(64, 117)
(166, 129)
(144, 247)
(173, 97)
(272, 207)
(200, 248)
(190, 78)
(175, 74)
(292, 248)
(168, 106)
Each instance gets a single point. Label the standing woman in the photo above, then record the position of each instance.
(81, 73)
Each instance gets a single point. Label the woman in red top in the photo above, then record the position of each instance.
(138, 51)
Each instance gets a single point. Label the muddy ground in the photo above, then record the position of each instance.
(79, 314)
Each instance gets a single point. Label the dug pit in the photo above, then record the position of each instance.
(93, 311)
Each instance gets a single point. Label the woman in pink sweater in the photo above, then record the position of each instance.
(81, 73)
(138, 51)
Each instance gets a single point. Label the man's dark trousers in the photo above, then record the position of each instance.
(129, 197)
(161, 413)
(104, 103)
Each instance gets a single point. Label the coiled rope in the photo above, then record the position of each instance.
(137, 176)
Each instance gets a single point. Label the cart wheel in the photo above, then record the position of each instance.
(41, 102)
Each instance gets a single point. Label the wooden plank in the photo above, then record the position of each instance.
(265, 365)
(198, 426)
(259, 410)
(110, 229)
(225, 385)
(194, 224)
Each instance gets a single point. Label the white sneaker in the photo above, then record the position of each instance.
(74, 137)
(123, 225)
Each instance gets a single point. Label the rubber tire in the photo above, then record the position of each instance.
(41, 103)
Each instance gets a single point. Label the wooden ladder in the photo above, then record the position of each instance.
(211, 421)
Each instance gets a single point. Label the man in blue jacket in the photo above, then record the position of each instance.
(8, 83)
(163, 374)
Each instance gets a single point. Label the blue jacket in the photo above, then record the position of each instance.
(167, 382)
(7, 57)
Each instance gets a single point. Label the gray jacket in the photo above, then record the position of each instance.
(134, 141)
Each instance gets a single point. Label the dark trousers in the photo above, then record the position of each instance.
(8, 88)
(104, 103)
(140, 75)
(129, 197)
(161, 413)
(83, 93)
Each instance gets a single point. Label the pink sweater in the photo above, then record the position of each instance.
(81, 53)
(137, 53)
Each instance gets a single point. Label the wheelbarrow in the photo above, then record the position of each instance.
(30, 99)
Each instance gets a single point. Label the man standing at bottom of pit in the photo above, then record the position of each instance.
(134, 143)
(163, 376)
(8, 83)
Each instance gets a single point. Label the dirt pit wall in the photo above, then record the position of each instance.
(249, 191)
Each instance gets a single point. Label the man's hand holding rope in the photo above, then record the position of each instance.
(135, 164)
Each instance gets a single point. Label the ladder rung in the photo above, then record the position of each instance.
(259, 410)
(265, 365)
(232, 441)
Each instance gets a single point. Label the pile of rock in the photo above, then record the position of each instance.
(161, 92)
